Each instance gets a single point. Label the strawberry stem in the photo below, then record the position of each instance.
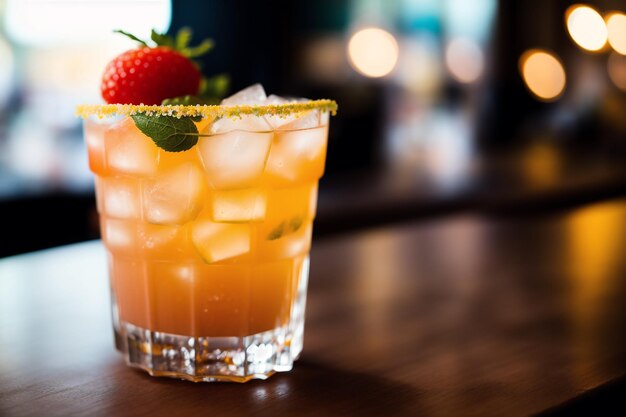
(180, 43)
(131, 36)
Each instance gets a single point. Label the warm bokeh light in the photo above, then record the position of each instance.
(324, 59)
(594, 237)
(464, 59)
(586, 27)
(617, 70)
(373, 52)
(616, 28)
(594, 245)
(542, 163)
(543, 74)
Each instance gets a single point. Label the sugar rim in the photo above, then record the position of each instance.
(212, 111)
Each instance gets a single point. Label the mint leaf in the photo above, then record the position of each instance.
(295, 223)
(215, 87)
(188, 101)
(211, 90)
(277, 232)
(168, 132)
(162, 39)
(129, 35)
(286, 227)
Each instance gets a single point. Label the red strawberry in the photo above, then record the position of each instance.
(148, 76)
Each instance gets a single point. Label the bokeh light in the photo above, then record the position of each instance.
(48, 22)
(617, 70)
(543, 74)
(420, 66)
(616, 28)
(464, 59)
(6, 71)
(586, 27)
(373, 52)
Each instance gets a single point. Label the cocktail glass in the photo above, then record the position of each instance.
(208, 249)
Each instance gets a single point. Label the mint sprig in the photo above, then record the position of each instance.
(168, 132)
(189, 101)
(211, 91)
(295, 223)
(277, 232)
(215, 86)
(285, 228)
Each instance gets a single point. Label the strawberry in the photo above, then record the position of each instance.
(150, 75)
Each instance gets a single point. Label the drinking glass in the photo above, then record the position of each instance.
(208, 249)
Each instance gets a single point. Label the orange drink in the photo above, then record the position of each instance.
(208, 247)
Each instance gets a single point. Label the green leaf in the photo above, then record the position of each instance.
(168, 132)
(183, 37)
(215, 87)
(277, 232)
(131, 36)
(196, 51)
(162, 39)
(295, 223)
(188, 101)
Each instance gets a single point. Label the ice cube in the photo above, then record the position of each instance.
(147, 241)
(238, 205)
(154, 237)
(235, 159)
(298, 155)
(297, 243)
(173, 197)
(129, 151)
(253, 95)
(218, 241)
(94, 138)
(245, 122)
(324, 118)
(291, 121)
(307, 120)
(118, 234)
(119, 198)
(288, 244)
(164, 243)
(277, 121)
(274, 99)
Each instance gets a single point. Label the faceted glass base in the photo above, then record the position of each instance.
(236, 359)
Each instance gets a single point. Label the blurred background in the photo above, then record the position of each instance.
(494, 106)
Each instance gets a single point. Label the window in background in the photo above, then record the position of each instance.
(6, 71)
(60, 49)
(433, 88)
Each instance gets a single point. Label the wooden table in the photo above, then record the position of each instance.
(463, 316)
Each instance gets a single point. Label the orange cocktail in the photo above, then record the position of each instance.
(208, 248)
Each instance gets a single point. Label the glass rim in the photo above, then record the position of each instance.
(204, 111)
